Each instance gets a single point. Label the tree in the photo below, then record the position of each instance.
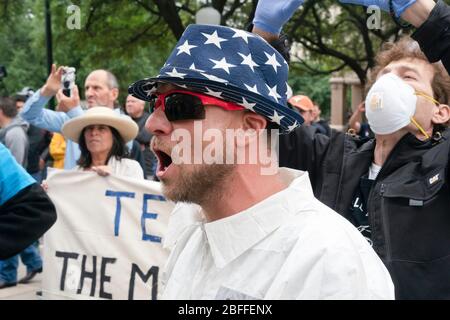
(337, 36)
(20, 55)
(132, 38)
(118, 36)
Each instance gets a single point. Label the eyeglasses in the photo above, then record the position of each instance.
(186, 105)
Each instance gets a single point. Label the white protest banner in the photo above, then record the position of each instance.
(106, 242)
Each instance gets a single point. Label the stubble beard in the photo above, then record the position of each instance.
(203, 184)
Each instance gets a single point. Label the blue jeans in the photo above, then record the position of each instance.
(30, 257)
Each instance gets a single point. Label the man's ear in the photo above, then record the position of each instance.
(252, 127)
(115, 93)
(254, 121)
(441, 115)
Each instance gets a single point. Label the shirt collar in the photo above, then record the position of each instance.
(230, 237)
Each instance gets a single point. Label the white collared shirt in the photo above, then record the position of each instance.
(289, 246)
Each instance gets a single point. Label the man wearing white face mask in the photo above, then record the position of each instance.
(394, 188)
(391, 105)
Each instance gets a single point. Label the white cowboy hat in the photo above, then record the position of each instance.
(126, 127)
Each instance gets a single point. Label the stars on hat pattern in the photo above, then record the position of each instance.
(247, 105)
(234, 65)
(272, 61)
(185, 48)
(220, 61)
(222, 64)
(248, 61)
(213, 39)
(174, 73)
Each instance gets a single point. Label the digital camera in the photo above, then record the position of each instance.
(68, 80)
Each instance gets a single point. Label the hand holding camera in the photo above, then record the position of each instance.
(68, 80)
(59, 78)
(66, 103)
(61, 82)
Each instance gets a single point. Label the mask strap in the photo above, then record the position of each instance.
(424, 95)
(419, 127)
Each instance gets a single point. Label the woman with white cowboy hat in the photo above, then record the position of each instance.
(102, 135)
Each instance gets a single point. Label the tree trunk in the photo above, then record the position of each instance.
(169, 12)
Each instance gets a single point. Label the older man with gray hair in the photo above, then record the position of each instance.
(101, 89)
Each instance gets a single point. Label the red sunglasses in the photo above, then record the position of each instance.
(187, 105)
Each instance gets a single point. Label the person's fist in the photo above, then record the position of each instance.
(362, 107)
(270, 15)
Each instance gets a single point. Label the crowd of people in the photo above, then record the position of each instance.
(36, 138)
(357, 214)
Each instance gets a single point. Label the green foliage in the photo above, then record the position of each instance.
(114, 36)
(317, 87)
(132, 40)
(24, 61)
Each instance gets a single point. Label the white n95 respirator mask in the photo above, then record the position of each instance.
(390, 104)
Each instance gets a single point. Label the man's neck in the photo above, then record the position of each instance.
(243, 190)
(385, 144)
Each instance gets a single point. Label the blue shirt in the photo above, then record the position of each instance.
(13, 177)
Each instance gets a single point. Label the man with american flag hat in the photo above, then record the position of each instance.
(237, 233)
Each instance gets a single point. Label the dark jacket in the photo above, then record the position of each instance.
(144, 137)
(39, 141)
(408, 206)
(433, 35)
(24, 218)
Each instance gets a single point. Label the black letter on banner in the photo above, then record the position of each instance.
(118, 194)
(149, 215)
(152, 272)
(85, 274)
(66, 256)
(104, 278)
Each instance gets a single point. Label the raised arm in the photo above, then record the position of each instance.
(35, 113)
(431, 19)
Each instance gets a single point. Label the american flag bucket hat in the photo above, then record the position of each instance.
(230, 64)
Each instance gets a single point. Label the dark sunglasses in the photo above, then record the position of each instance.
(186, 105)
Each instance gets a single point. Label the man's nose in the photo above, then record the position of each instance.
(89, 92)
(158, 124)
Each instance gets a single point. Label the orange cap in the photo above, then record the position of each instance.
(302, 102)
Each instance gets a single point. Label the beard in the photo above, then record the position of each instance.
(204, 183)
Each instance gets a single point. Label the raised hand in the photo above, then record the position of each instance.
(53, 83)
(399, 6)
(362, 107)
(270, 15)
